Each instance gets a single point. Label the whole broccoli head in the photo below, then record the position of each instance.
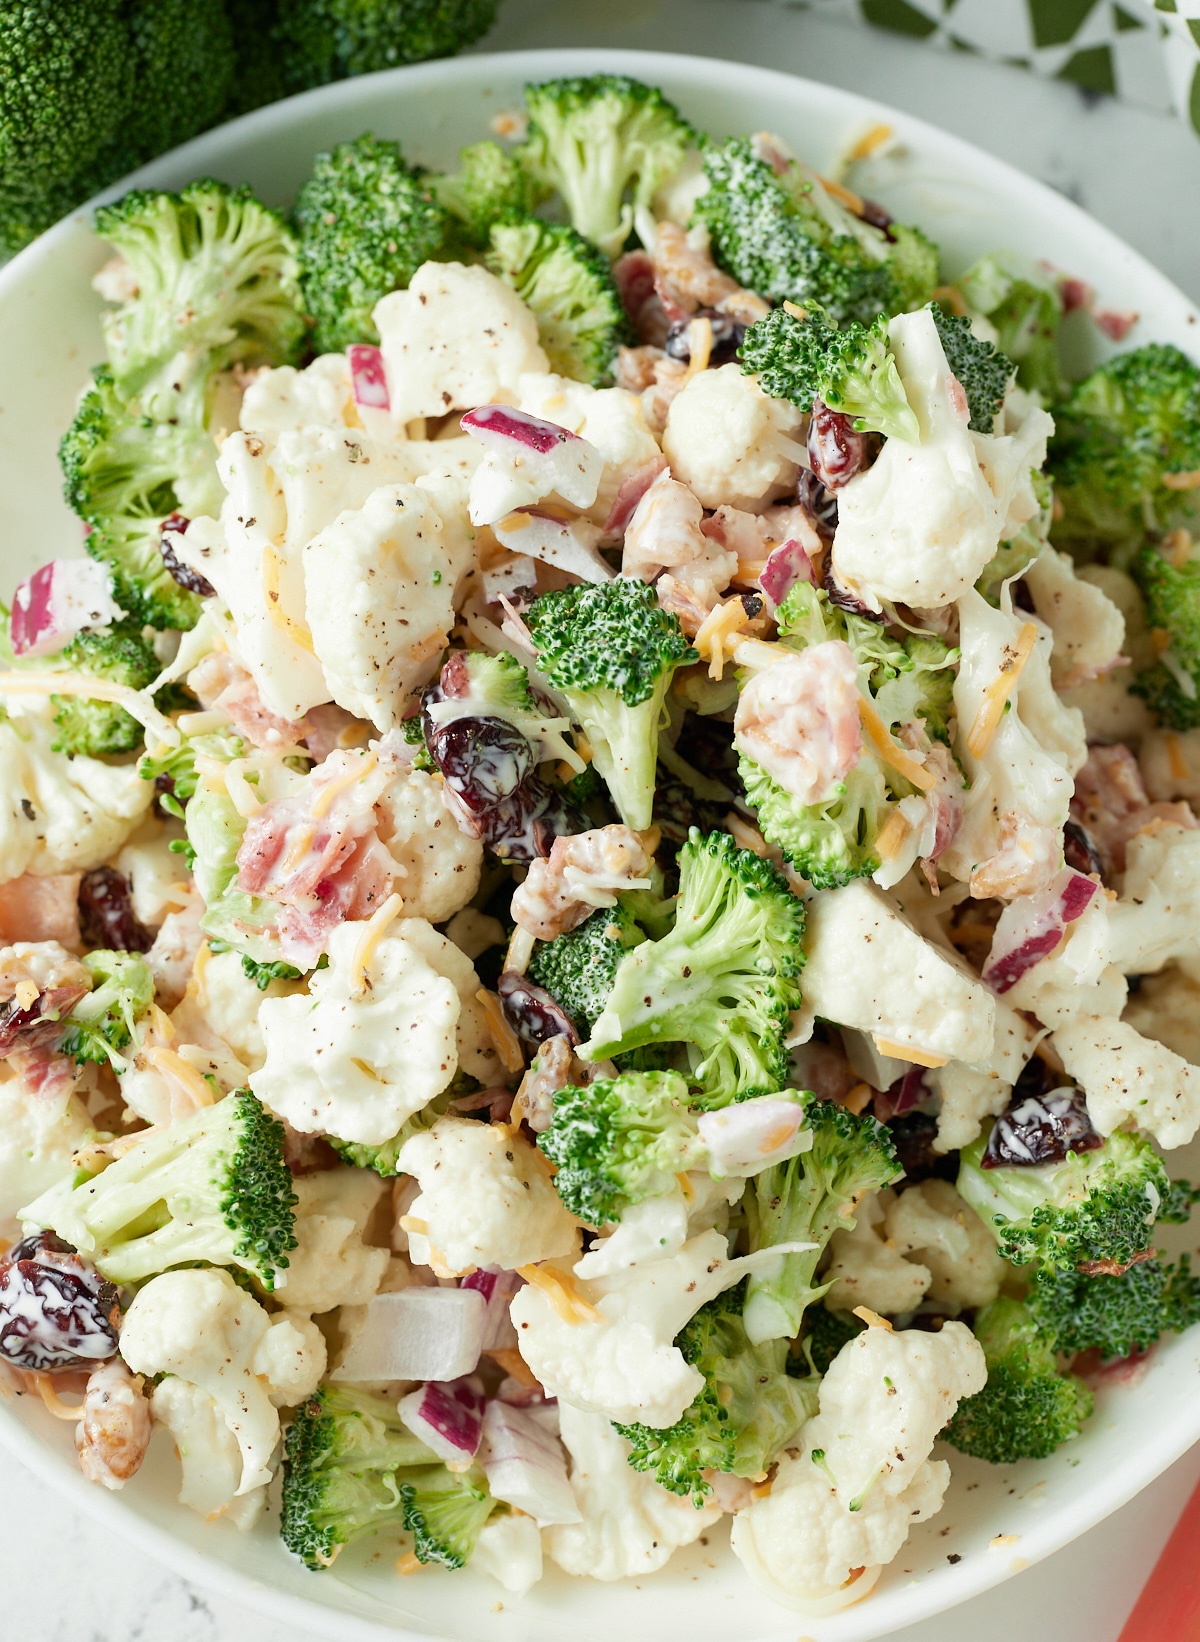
(1171, 687)
(748, 1409)
(365, 222)
(97, 727)
(213, 1187)
(489, 187)
(611, 650)
(850, 369)
(806, 1200)
(723, 981)
(569, 286)
(1097, 1205)
(1027, 1409)
(579, 967)
(980, 369)
(103, 1024)
(1120, 435)
(597, 139)
(1027, 313)
(322, 40)
(1119, 1314)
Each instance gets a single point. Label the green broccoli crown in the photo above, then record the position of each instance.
(184, 68)
(498, 684)
(104, 1023)
(1122, 430)
(597, 139)
(578, 968)
(619, 1141)
(366, 222)
(748, 1409)
(444, 1511)
(97, 727)
(826, 1332)
(611, 650)
(850, 369)
(131, 550)
(342, 1453)
(293, 46)
(382, 1158)
(1115, 1315)
(213, 1188)
(830, 843)
(1098, 1205)
(216, 276)
(807, 1199)
(1027, 314)
(723, 980)
(569, 286)
(981, 370)
(489, 187)
(1171, 687)
(1027, 1409)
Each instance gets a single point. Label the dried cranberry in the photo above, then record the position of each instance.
(56, 1311)
(845, 600)
(531, 1012)
(907, 1092)
(106, 915)
(835, 451)
(1079, 849)
(820, 504)
(175, 524)
(524, 826)
(483, 760)
(871, 211)
(913, 1136)
(1041, 1129)
(727, 337)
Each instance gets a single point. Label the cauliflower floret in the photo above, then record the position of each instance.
(221, 1007)
(1166, 1008)
(331, 1265)
(380, 587)
(931, 1221)
(1088, 628)
(476, 1055)
(1127, 1077)
(456, 338)
(1077, 979)
(610, 419)
(623, 1361)
(59, 814)
(658, 1228)
(922, 522)
(818, 1540)
(971, 1093)
(630, 1525)
(509, 1548)
(439, 864)
(38, 1137)
(200, 1326)
(1158, 915)
(729, 442)
(372, 1043)
(1170, 764)
(320, 396)
(323, 472)
(868, 968)
(486, 1198)
(156, 874)
(208, 1452)
(867, 1268)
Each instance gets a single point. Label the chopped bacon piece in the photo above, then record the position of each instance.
(221, 683)
(630, 492)
(1112, 806)
(40, 909)
(582, 873)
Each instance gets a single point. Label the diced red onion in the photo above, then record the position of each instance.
(368, 379)
(747, 1137)
(416, 1334)
(58, 601)
(525, 1465)
(1031, 927)
(447, 1417)
(568, 543)
(497, 1288)
(499, 427)
(907, 1091)
(1114, 324)
(786, 565)
(526, 460)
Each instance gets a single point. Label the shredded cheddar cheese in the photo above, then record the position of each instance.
(54, 1403)
(891, 836)
(1182, 481)
(905, 1051)
(1175, 759)
(504, 1040)
(859, 1098)
(373, 933)
(796, 311)
(241, 794)
(136, 703)
(199, 984)
(952, 297)
(520, 950)
(700, 341)
(870, 142)
(514, 1365)
(1179, 546)
(872, 1318)
(562, 1290)
(903, 763)
(173, 1067)
(712, 636)
(995, 697)
(325, 797)
(844, 196)
(296, 631)
(27, 994)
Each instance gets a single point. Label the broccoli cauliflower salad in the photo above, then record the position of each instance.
(600, 888)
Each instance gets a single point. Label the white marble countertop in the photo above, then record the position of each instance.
(65, 1578)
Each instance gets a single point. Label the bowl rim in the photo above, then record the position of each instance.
(901, 1605)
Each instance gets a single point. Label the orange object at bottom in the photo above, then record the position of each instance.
(1168, 1609)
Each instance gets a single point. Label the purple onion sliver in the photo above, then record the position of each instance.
(491, 423)
(786, 565)
(368, 378)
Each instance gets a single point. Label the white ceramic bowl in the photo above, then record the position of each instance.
(995, 1521)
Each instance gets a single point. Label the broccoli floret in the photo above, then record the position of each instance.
(444, 1511)
(738, 1423)
(183, 70)
(174, 769)
(611, 651)
(216, 277)
(366, 222)
(97, 727)
(1094, 1205)
(1027, 314)
(343, 1454)
(569, 286)
(244, 922)
(262, 974)
(1120, 434)
(981, 370)
(1027, 1408)
(1115, 1315)
(825, 1333)
(1171, 687)
(497, 686)
(382, 1158)
(806, 1200)
(578, 968)
(213, 1187)
(723, 980)
(851, 370)
(597, 139)
(104, 1023)
(488, 187)
(831, 843)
